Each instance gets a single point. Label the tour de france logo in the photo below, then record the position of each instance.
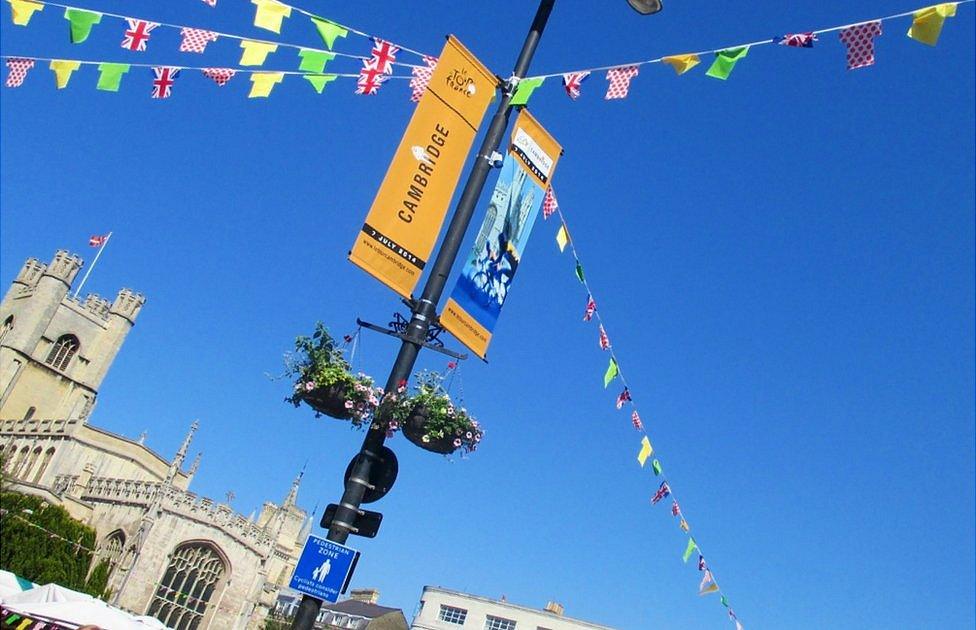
(459, 81)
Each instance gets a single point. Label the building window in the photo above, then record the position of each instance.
(450, 614)
(61, 352)
(114, 545)
(8, 325)
(30, 413)
(498, 623)
(187, 587)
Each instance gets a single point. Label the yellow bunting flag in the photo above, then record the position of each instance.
(269, 14)
(255, 53)
(927, 23)
(22, 10)
(62, 71)
(684, 525)
(646, 451)
(562, 237)
(682, 63)
(263, 82)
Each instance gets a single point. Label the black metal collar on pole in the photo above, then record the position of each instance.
(425, 309)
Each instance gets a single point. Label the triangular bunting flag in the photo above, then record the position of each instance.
(579, 273)
(692, 545)
(549, 203)
(421, 78)
(62, 71)
(220, 76)
(328, 31)
(255, 53)
(314, 60)
(269, 14)
(21, 11)
(573, 83)
(646, 451)
(656, 467)
(562, 237)
(725, 61)
(263, 82)
(725, 601)
(17, 71)
(196, 39)
(81, 23)
(110, 76)
(927, 23)
(708, 584)
(682, 63)
(611, 373)
(319, 81)
(524, 90)
(604, 339)
(590, 308)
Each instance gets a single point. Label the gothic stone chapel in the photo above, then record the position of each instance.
(187, 560)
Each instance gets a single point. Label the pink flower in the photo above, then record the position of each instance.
(309, 386)
(457, 442)
(468, 435)
(394, 425)
(348, 404)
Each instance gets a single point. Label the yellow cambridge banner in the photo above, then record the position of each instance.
(409, 209)
(472, 309)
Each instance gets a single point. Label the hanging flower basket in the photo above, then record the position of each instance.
(325, 382)
(429, 418)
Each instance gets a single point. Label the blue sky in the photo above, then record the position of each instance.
(784, 262)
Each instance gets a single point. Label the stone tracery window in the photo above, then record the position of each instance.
(61, 352)
(187, 586)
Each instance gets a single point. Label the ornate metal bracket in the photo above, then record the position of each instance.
(398, 328)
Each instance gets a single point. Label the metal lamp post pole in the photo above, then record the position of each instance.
(425, 309)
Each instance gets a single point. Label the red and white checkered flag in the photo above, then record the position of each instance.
(675, 510)
(18, 70)
(137, 35)
(421, 78)
(96, 240)
(623, 397)
(619, 79)
(220, 76)
(196, 39)
(604, 339)
(637, 421)
(549, 204)
(590, 309)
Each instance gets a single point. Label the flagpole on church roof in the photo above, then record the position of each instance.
(101, 247)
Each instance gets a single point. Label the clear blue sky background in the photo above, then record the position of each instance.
(784, 262)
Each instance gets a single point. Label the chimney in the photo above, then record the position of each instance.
(555, 608)
(365, 595)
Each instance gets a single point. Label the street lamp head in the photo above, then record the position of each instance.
(646, 7)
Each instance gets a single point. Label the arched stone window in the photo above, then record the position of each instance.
(48, 454)
(8, 325)
(188, 585)
(31, 461)
(113, 547)
(16, 470)
(61, 352)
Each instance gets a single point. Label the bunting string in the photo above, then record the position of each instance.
(591, 312)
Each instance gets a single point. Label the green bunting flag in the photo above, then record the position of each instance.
(81, 23)
(725, 61)
(579, 272)
(111, 76)
(725, 602)
(689, 549)
(656, 466)
(319, 81)
(329, 31)
(525, 89)
(611, 373)
(314, 60)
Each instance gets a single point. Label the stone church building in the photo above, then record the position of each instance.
(190, 561)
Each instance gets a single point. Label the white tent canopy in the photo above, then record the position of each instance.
(57, 603)
(10, 584)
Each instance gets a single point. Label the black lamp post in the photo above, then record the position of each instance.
(424, 311)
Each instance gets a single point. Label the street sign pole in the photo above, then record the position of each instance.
(424, 311)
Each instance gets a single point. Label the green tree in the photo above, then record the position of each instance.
(42, 543)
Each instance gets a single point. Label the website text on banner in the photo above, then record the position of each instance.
(408, 212)
(479, 294)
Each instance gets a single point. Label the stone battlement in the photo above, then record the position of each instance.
(36, 426)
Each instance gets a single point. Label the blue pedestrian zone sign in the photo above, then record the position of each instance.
(324, 568)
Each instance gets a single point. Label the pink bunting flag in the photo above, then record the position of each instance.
(859, 40)
(421, 78)
(634, 418)
(163, 79)
(590, 309)
(623, 397)
(604, 339)
(675, 508)
(549, 204)
(196, 39)
(619, 79)
(573, 82)
(137, 35)
(17, 71)
(212, 3)
(220, 76)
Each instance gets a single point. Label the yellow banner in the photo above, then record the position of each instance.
(473, 308)
(409, 209)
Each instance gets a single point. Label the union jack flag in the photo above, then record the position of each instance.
(137, 35)
(797, 40)
(662, 492)
(97, 241)
(383, 55)
(701, 563)
(573, 81)
(675, 509)
(623, 397)
(604, 339)
(370, 79)
(637, 421)
(163, 79)
(590, 309)
(549, 204)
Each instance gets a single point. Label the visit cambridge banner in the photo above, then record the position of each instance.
(476, 301)
(409, 209)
